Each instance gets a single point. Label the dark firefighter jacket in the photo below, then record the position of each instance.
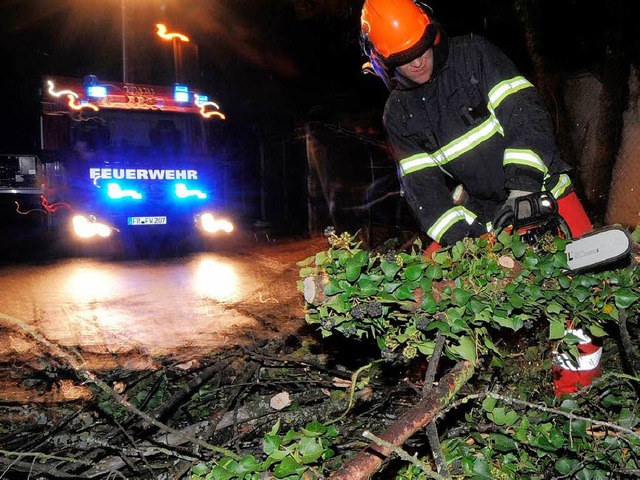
(478, 123)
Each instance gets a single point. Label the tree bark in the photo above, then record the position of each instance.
(365, 463)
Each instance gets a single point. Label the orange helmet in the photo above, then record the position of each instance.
(396, 31)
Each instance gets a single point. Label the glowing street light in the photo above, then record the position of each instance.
(176, 38)
(165, 35)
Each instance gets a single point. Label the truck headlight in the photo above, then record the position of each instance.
(210, 224)
(88, 226)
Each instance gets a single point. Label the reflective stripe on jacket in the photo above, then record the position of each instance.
(479, 123)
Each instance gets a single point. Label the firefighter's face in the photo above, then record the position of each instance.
(418, 70)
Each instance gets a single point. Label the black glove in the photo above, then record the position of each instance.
(503, 217)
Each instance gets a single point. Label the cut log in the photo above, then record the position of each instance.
(314, 289)
(366, 462)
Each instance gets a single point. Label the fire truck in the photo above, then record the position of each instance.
(120, 162)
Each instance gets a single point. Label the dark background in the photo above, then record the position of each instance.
(277, 66)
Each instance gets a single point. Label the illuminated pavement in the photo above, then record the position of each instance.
(133, 314)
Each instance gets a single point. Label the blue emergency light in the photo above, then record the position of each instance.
(116, 192)
(183, 192)
(97, 91)
(200, 99)
(181, 93)
(93, 87)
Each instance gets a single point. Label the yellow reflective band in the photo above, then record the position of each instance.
(453, 150)
(473, 137)
(505, 88)
(564, 182)
(448, 219)
(417, 162)
(524, 157)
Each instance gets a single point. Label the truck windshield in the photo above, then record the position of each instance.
(140, 132)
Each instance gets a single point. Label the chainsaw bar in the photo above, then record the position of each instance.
(597, 249)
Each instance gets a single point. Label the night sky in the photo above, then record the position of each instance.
(272, 64)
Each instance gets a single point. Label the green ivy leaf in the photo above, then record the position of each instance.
(352, 269)
(425, 348)
(271, 443)
(442, 258)
(321, 258)
(434, 272)
(481, 469)
(627, 418)
(554, 307)
(460, 297)
(201, 469)
(220, 473)
(389, 269)
(466, 348)
(625, 298)
(248, 464)
(391, 286)
(429, 303)
(310, 450)
(339, 305)
(288, 466)
(314, 429)
(502, 417)
(413, 272)
(505, 238)
(306, 262)
(489, 403)
(307, 271)
(505, 322)
(333, 287)
(438, 325)
(531, 260)
(404, 292)
(564, 281)
(476, 306)
(516, 300)
(597, 331)
(522, 431)
(581, 293)
(490, 345)
(556, 330)
(503, 443)
(518, 248)
(535, 291)
(361, 257)
(560, 260)
(367, 287)
(565, 466)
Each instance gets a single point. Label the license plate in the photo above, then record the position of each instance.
(147, 221)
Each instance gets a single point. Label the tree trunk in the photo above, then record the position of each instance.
(365, 463)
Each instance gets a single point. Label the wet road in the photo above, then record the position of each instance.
(132, 313)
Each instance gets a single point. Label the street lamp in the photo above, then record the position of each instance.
(124, 43)
(177, 39)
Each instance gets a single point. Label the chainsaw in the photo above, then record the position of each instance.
(536, 214)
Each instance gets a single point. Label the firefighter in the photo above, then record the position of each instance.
(459, 114)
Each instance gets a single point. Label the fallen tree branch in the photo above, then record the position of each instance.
(352, 390)
(38, 468)
(169, 407)
(366, 462)
(431, 429)
(91, 377)
(404, 455)
(318, 408)
(542, 408)
(627, 345)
